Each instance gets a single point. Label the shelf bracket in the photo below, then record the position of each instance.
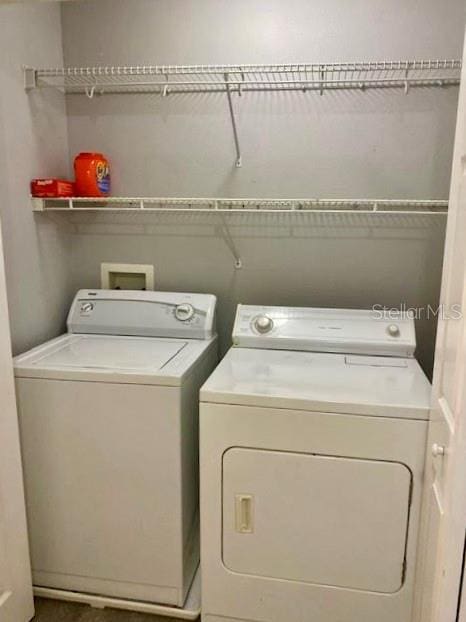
(226, 235)
(406, 86)
(37, 205)
(322, 75)
(30, 78)
(233, 120)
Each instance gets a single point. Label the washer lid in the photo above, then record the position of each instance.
(109, 353)
(114, 359)
(320, 382)
(351, 331)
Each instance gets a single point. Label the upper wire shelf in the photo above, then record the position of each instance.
(224, 205)
(238, 79)
(171, 79)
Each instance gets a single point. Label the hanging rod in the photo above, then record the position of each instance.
(223, 205)
(171, 79)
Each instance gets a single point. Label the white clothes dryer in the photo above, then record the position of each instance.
(109, 429)
(312, 439)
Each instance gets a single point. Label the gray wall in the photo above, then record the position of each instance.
(308, 260)
(373, 144)
(33, 143)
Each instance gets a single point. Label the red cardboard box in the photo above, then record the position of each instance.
(52, 188)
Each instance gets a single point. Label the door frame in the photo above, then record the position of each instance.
(440, 563)
(16, 600)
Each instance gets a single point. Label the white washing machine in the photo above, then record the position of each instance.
(313, 432)
(109, 426)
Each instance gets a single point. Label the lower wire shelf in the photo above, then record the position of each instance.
(147, 214)
(225, 205)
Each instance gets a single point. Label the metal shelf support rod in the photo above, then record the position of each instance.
(233, 121)
(226, 235)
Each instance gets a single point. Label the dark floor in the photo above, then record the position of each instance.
(59, 611)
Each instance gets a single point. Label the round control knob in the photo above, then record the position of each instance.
(438, 450)
(263, 324)
(86, 307)
(393, 330)
(184, 312)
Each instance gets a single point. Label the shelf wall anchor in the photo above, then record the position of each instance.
(233, 121)
(90, 91)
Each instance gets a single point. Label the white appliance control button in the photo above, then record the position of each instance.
(184, 312)
(438, 450)
(87, 307)
(393, 330)
(263, 324)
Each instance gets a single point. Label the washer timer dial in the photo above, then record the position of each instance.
(87, 307)
(184, 312)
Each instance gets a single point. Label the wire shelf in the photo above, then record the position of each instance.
(224, 205)
(103, 212)
(238, 79)
(171, 79)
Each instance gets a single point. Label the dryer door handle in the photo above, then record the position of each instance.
(244, 513)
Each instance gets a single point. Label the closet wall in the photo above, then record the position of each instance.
(33, 143)
(347, 145)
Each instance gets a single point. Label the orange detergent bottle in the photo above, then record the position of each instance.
(92, 173)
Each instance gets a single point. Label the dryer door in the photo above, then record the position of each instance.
(316, 519)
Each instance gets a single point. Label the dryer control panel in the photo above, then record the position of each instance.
(143, 314)
(348, 331)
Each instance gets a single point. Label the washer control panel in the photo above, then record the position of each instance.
(143, 313)
(347, 331)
